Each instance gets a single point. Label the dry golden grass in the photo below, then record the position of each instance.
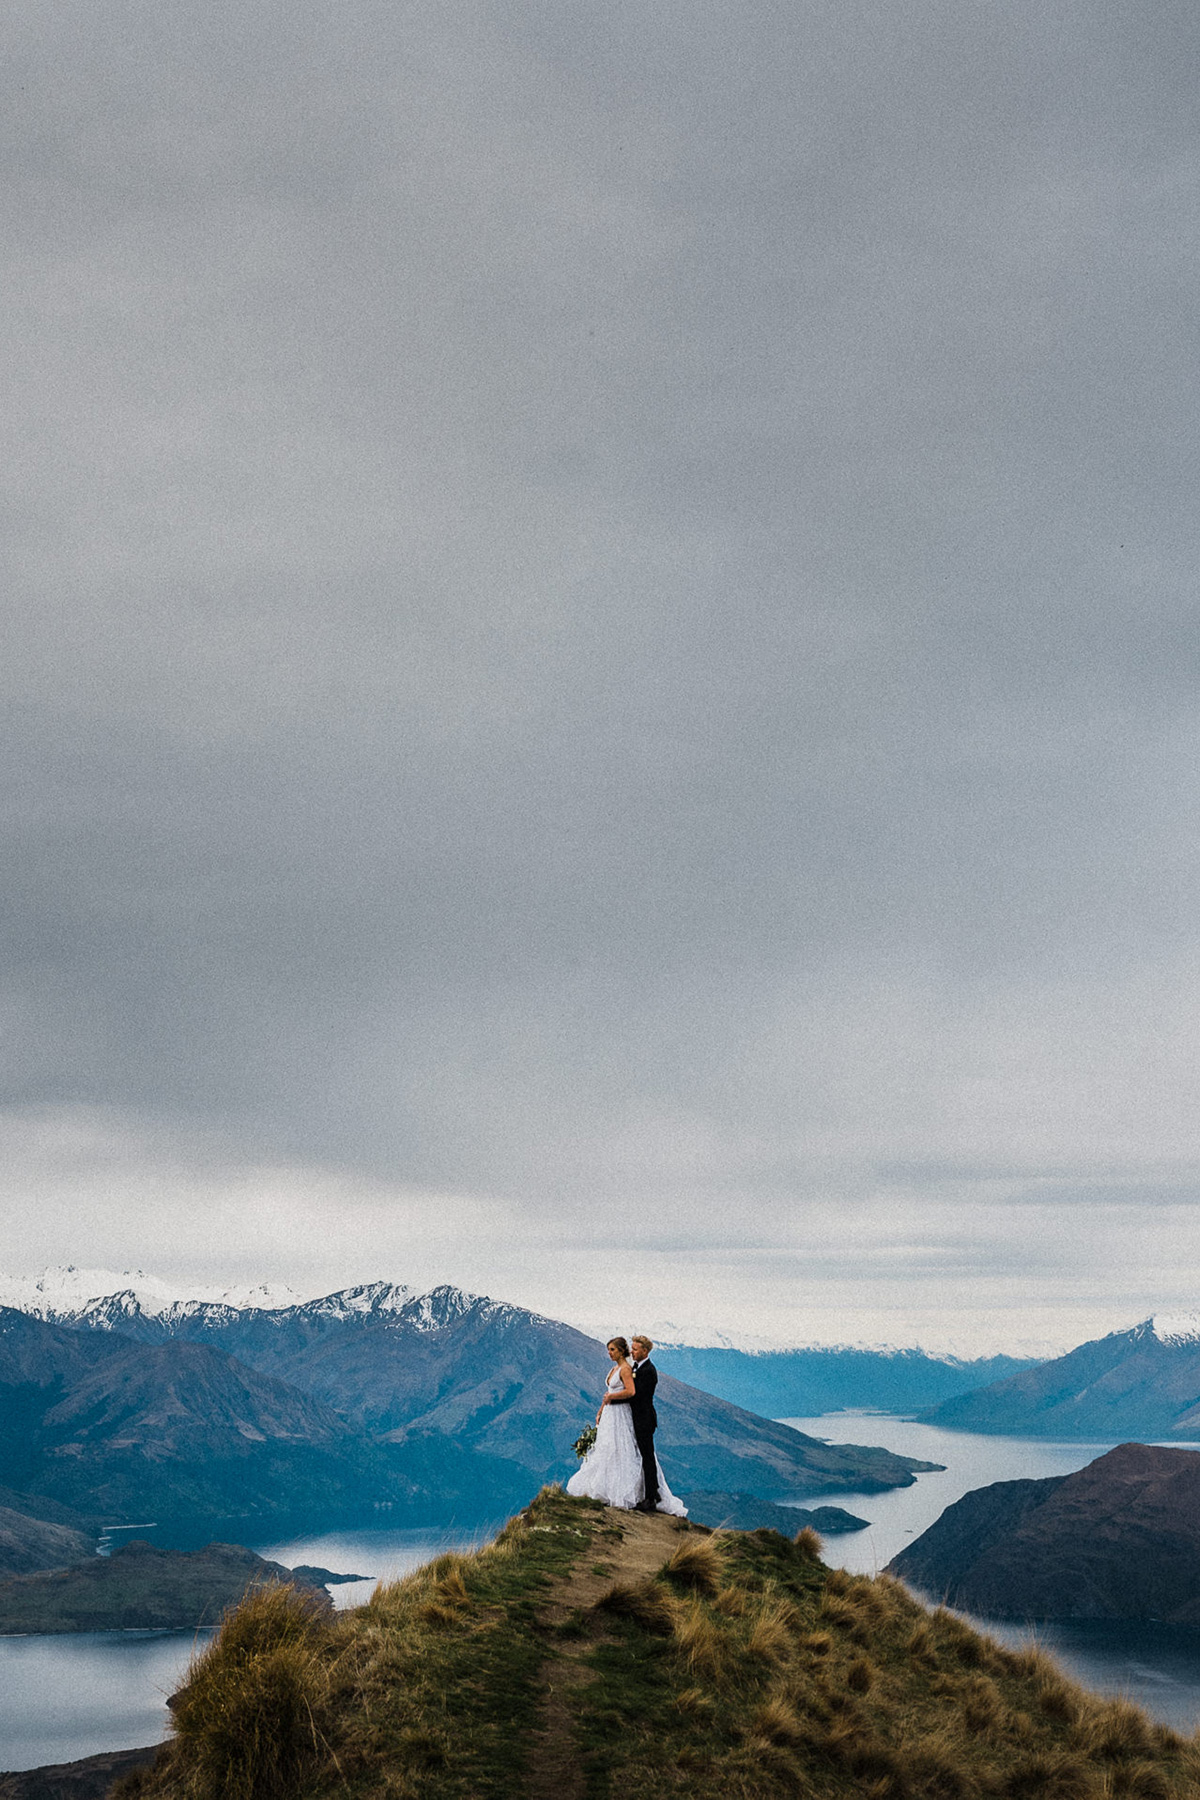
(731, 1600)
(809, 1544)
(699, 1562)
(757, 1674)
(705, 1648)
(778, 1720)
(773, 1629)
(860, 1676)
(251, 1717)
(648, 1604)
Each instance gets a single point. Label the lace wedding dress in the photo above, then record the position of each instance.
(612, 1469)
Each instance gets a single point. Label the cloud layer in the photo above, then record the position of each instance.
(601, 626)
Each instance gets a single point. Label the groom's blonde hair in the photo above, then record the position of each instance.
(640, 1339)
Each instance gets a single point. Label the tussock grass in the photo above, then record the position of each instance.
(699, 1562)
(649, 1605)
(809, 1544)
(744, 1670)
(702, 1644)
(250, 1719)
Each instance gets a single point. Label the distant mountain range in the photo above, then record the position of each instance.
(119, 1430)
(1119, 1539)
(799, 1383)
(333, 1408)
(1143, 1383)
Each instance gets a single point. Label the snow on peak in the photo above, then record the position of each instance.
(369, 1298)
(440, 1306)
(1176, 1328)
(68, 1292)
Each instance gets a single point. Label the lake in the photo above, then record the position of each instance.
(71, 1696)
(78, 1693)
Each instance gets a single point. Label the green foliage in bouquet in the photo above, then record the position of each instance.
(584, 1441)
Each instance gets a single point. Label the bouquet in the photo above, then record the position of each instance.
(584, 1441)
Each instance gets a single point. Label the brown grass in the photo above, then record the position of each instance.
(757, 1675)
(809, 1544)
(699, 1562)
(648, 1604)
(706, 1649)
(249, 1722)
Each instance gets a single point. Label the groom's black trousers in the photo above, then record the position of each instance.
(643, 1432)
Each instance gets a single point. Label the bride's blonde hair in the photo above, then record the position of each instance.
(620, 1345)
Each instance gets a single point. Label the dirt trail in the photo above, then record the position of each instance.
(628, 1547)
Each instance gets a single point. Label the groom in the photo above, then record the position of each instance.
(645, 1419)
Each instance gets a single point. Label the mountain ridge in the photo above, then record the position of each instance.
(368, 1397)
(1142, 1382)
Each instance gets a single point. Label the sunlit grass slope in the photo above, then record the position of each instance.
(551, 1663)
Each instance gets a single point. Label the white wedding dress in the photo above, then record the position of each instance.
(612, 1469)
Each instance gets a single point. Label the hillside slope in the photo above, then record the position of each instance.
(1140, 1383)
(595, 1655)
(1119, 1539)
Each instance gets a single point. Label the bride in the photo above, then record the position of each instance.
(612, 1469)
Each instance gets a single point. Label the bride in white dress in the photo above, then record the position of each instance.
(612, 1469)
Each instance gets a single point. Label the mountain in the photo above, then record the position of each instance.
(512, 1383)
(1119, 1539)
(1143, 1382)
(610, 1654)
(28, 1544)
(67, 1291)
(818, 1379)
(142, 1587)
(175, 1430)
(448, 1373)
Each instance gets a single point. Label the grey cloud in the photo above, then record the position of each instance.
(604, 604)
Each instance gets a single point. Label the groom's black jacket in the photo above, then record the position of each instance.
(645, 1380)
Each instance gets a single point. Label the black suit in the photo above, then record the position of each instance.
(645, 1423)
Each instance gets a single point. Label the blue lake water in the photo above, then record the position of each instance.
(78, 1693)
(73, 1695)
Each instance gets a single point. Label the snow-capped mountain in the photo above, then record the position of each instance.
(68, 1292)
(1140, 1383)
(139, 1305)
(1176, 1328)
(445, 1376)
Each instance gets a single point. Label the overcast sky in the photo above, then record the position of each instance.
(601, 664)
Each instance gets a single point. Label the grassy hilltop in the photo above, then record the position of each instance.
(589, 1653)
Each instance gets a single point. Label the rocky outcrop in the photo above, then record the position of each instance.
(1119, 1539)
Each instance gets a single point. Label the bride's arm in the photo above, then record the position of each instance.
(627, 1388)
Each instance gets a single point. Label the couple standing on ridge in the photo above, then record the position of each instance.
(621, 1467)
